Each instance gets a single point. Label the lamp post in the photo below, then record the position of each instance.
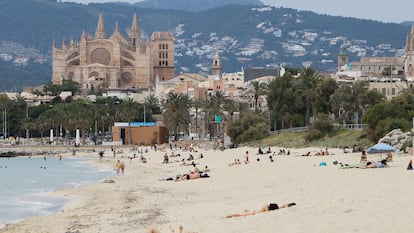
(4, 122)
(27, 117)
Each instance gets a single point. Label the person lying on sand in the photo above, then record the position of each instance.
(191, 176)
(180, 230)
(266, 208)
(236, 162)
(379, 164)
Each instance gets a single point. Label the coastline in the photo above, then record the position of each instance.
(49, 201)
(327, 197)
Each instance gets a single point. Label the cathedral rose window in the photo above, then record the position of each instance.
(101, 55)
(126, 77)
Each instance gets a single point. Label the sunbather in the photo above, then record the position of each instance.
(266, 208)
(379, 164)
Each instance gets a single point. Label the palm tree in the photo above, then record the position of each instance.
(307, 87)
(129, 111)
(176, 113)
(258, 89)
(41, 125)
(214, 108)
(153, 104)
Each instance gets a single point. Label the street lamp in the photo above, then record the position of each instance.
(4, 122)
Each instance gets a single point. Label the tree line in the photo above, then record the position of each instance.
(299, 98)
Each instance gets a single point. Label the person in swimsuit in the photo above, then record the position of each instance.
(266, 208)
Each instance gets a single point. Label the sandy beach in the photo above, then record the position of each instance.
(328, 198)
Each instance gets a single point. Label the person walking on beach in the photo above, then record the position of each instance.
(246, 157)
(122, 167)
(118, 166)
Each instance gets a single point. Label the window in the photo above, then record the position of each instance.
(393, 91)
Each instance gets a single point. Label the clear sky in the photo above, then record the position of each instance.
(393, 11)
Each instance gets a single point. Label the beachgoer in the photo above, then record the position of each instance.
(307, 154)
(191, 176)
(246, 157)
(196, 169)
(379, 164)
(101, 154)
(236, 162)
(165, 158)
(266, 208)
(389, 157)
(118, 166)
(363, 157)
(259, 150)
(410, 165)
(122, 167)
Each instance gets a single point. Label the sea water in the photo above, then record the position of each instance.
(23, 180)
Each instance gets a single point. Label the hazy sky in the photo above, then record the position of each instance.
(395, 11)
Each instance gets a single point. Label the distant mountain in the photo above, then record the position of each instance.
(194, 5)
(407, 23)
(245, 35)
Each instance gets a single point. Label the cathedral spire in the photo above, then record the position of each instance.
(100, 28)
(134, 34)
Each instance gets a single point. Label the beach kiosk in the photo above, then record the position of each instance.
(139, 133)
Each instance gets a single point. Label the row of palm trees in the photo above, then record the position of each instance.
(92, 118)
(291, 101)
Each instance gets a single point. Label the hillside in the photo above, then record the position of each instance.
(245, 35)
(193, 5)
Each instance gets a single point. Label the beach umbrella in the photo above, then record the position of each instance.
(380, 148)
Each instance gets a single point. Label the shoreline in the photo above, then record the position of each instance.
(59, 194)
(139, 200)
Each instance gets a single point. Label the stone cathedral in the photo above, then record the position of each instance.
(115, 62)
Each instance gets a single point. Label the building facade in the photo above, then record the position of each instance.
(115, 62)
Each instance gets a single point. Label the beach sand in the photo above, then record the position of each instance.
(328, 199)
